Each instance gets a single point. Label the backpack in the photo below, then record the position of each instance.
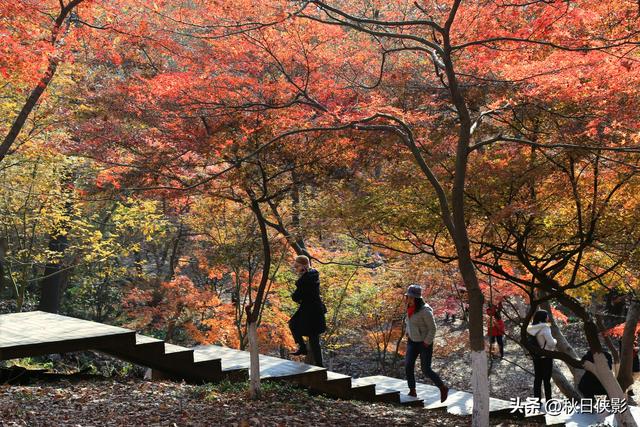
(532, 340)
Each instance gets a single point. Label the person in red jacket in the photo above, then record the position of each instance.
(493, 309)
(496, 332)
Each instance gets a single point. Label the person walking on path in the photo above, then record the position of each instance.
(496, 332)
(542, 365)
(309, 319)
(421, 331)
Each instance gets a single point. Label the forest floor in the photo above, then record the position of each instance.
(131, 402)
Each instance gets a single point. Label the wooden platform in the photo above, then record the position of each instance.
(38, 333)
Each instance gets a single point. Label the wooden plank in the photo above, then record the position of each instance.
(382, 393)
(143, 339)
(172, 348)
(335, 376)
(270, 367)
(38, 333)
(407, 400)
(458, 402)
(334, 385)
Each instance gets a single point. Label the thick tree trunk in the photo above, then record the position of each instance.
(625, 373)
(600, 368)
(480, 388)
(56, 272)
(479, 365)
(565, 386)
(52, 282)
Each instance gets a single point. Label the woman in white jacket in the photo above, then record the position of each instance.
(542, 366)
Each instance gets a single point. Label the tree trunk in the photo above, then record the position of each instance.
(253, 311)
(480, 371)
(625, 373)
(600, 368)
(565, 386)
(55, 272)
(479, 365)
(615, 354)
(173, 258)
(53, 281)
(255, 391)
(480, 388)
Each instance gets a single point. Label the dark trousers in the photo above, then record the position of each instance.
(314, 345)
(415, 349)
(542, 367)
(500, 340)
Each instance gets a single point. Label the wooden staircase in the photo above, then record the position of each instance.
(317, 379)
(38, 333)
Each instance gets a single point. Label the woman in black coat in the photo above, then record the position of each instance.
(308, 320)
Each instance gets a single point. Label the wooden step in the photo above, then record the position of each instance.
(334, 385)
(146, 351)
(206, 370)
(398, 386)
(235, 374)
(406, 400)
(382, 394)
(340, 380)
(177, 355)
(271, 368)
(366, 392)
(149, 345)
(458, 402)
(461, 403)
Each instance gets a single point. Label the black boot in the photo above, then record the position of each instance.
(301, 351)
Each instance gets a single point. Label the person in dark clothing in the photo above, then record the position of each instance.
(542, 365)
(308, 320)
(589, 384)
